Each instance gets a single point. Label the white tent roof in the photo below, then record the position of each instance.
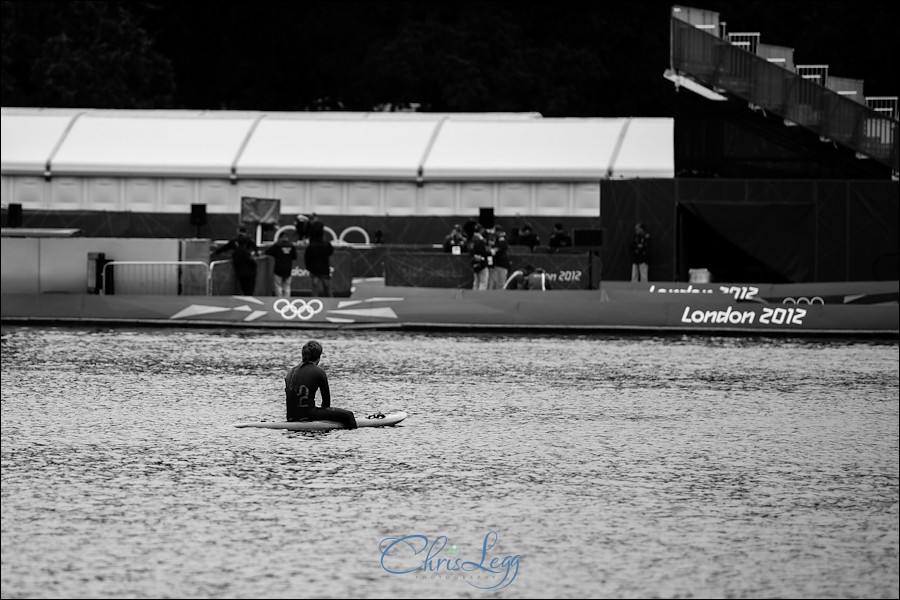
(383, 149)
(393, 146)
(545, 149)
(28, 141)
(151, 146)
(647, 150)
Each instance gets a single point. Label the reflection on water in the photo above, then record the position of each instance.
(612, 466)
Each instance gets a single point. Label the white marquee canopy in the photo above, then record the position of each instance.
(418, 147)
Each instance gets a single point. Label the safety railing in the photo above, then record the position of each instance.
(159, 278)
(720, 65)
(220, 284)
(886, 105)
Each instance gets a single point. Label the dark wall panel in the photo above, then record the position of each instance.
(625, 203)
(780, 230)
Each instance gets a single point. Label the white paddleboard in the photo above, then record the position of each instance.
(373, 420)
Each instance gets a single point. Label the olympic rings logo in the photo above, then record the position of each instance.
(298, 309)
(803, 300)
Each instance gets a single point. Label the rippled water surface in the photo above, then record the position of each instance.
(616, 467)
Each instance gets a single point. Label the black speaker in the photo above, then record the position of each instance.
(486, 217)
(14, 215)
(198, 214)
(587, 238)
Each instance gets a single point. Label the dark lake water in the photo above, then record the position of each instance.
(532, 465)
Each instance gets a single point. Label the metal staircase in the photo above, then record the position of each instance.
(717, 65)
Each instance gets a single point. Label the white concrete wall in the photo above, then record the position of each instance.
(46, 265)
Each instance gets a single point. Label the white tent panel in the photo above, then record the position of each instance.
(142, 194)
(141, 146)
(27, 141)
(105, 194)
(293, 196)
(474, 196)
(440, 199)
(400, 198)
(177, 194)
(648, 150)
(551, 194)
(327, 197)
(359, 149)
(29, 191)
(255, 188)
(514, 198)
(554, 204)
(67, 193)
(364, 198)
(586, 201)
(539, 149)
(216, 194)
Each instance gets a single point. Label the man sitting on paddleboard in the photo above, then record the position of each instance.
(301, 384)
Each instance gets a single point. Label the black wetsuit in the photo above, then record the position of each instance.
(300, 386)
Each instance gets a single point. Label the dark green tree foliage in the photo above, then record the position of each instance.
(81, 54)
(562, 59)
(559, 59)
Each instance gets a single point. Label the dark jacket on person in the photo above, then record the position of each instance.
(559, 239)
(640, 248)
(501, 251)
(454, 238)
(306, 225)
(479, 253)
(528, 238)
(317, 257)
(284, 254)
(242, 257)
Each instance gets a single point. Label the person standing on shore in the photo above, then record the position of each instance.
(560, 238)
(500, 269)
(527, 237)
(317, 259)
(640, 254)
(455, 241)
(480, 255)
(285, 254)
(243, 259)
